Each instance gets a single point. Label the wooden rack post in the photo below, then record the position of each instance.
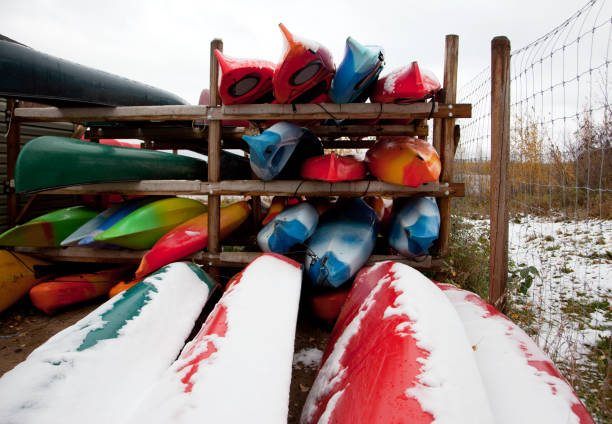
(500, 156)
(12, 151)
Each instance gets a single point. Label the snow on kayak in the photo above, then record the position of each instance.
(238, 367)
(398, 353)
(527, 388)
(96, 370)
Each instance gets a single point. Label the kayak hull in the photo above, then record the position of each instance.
(17, 276)
(292, 226)
(414, 226)
(245, 80)
(406, 85)
(327, 306)
(333, 168)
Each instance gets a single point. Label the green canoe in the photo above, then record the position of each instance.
(52, 162)
(48, 230)
(143, 227)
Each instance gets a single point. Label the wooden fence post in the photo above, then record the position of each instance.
(500, 156)
(12, 151)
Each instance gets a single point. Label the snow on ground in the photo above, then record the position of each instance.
(308, 358)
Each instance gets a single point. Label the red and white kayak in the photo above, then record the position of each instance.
(245, 80)
(237, 369)
(398, 354)
(523, 385)
(333, 168)
(405, 85)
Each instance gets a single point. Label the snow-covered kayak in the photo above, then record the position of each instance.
(237, 369)
(397, 354)
(357, 72)
(333, 168)
(292, 226)
(245, 80)
(96, 370)
(415, 225)
(405, 85)
(523, 385)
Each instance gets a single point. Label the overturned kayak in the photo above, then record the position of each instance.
(357, 72)
(415, 225)
(406, 161)
(52, 162)
(397, 354)
(17, 277)
(406, 85)
(327, 306)
(32, 75)
(245, 346)
(48, 230)
(147, 224)
(304, 73)
(95, 370)
(292, 226)
(190, 237)
(333, 168)
(245, 80)
(51, 295)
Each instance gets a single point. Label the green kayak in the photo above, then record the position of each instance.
(52, 162)
(143, 227)
(48, 230)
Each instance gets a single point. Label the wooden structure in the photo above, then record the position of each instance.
(172, 127)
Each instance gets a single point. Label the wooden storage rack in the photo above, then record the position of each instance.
(171, 127)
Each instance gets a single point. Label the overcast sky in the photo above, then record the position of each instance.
(167, 43)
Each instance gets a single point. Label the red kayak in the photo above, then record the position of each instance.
(305, 73)
(245, 80)
(190, 237)
(406, 85)
(333, 168)
(64, 291)
(327, 306)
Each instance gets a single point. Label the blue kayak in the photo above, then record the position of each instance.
(342, 243)
(280, 151)
(290, 227)
(357, 72)
(414, 226)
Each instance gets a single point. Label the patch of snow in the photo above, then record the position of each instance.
(308, 358)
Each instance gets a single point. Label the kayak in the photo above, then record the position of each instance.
(245, 80)
(406, 85)
(398, 353)
(28, 74)
(377, 203)
(304, 73)
(292, 226)
(121, 287)
(333, 168)
(280, 150)
(51, 162)
(406, 161)
(278, 204)
(327, 306)
(48, 230)
(17, 278)
(237, 369)
(414, 226)
(50, 296)
(124, 346)
(190, 237)
(530, 379)
(342, 243)
(356, 74)
(143, 227)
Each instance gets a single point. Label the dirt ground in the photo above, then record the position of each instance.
(23, 328)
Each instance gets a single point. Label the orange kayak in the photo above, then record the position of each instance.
(406, 161)
(121, 287)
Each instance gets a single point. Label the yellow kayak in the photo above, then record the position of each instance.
(16, 276)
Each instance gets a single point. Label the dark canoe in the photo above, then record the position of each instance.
(32, 75)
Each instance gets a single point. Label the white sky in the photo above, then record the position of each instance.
(167, 43)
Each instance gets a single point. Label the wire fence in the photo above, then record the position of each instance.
(560, 193)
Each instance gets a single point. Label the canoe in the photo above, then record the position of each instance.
(415, 225)
(406, 161)
(190, 237)
(17, 278)
(406, 85)
(237, 369)
(327, 306)
(51, 162)
(280, 150)
(143, 227)
(245, 80)
(292, 226)
(333, 168)
(356, 74)
(51, 295)
(124, 346)
(527, 378)
(397, 354)
(32, 75)
(304, 73)
(48, 230)
(342, 243)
